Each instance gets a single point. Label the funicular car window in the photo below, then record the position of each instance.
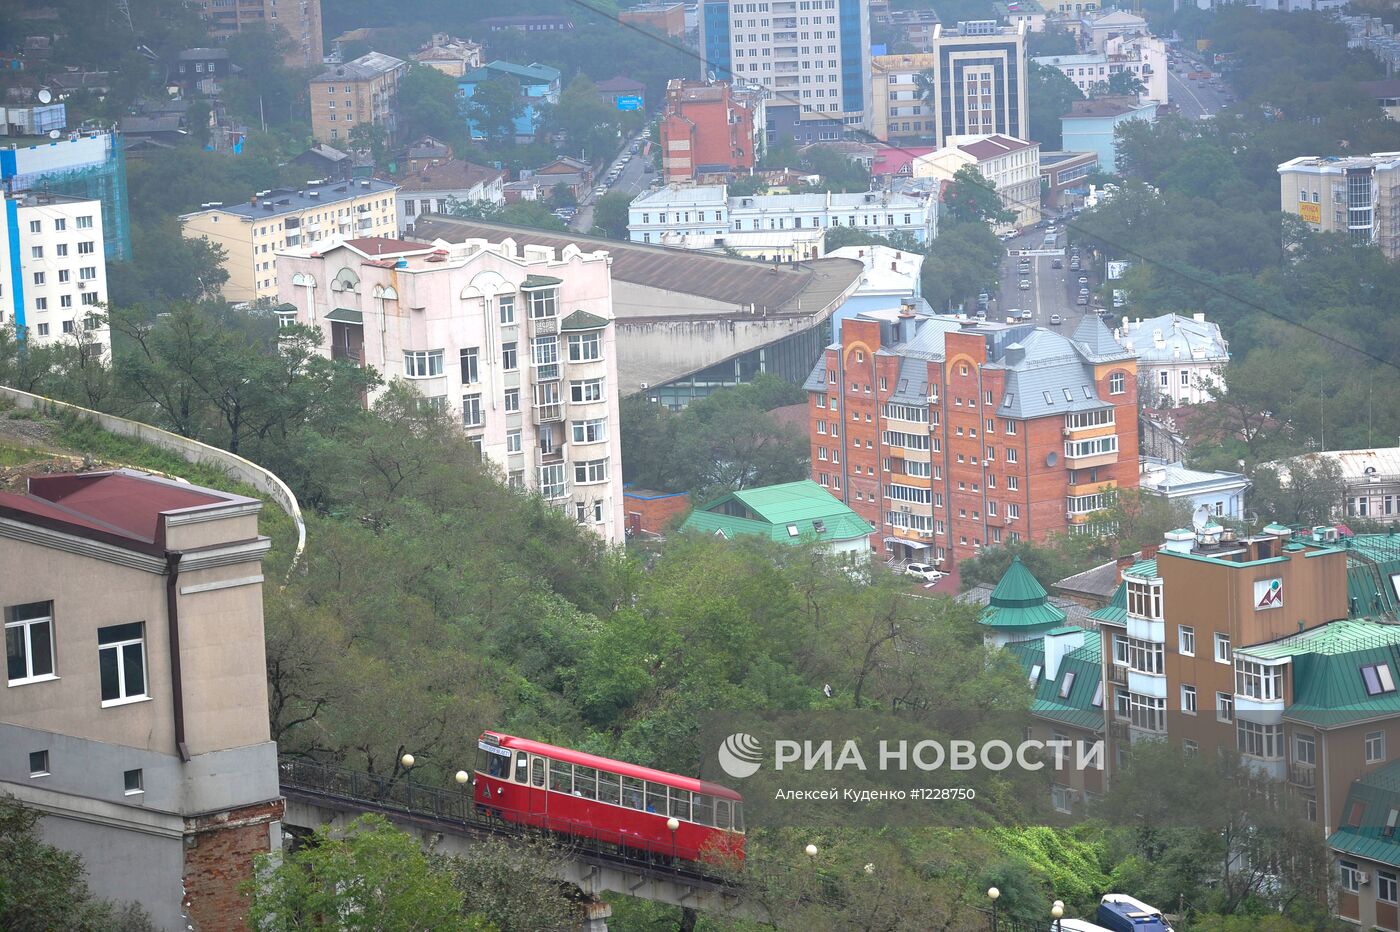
(704, 809)
(497, 765)
(586, 782)
(656, 797)
(738, 817)
(522, 767)
(632, 793)
(537, 771)
(609, 788)
(721, 813)
(680, 803)
(561, 776)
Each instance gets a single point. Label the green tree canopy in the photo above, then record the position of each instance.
(610, 215)
(42, 887)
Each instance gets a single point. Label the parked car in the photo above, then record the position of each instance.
(1025, 284)
(1056, 320)
(1083, 279)
(1082, 300)
(1026, 315)
(924, 571)
(1057, 264)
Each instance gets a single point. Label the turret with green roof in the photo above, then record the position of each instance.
(1019, 608)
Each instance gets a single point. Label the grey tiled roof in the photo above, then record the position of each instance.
(1046, 374)
(1097, 341)
(817, 380)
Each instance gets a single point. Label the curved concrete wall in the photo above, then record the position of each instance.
(192, 450)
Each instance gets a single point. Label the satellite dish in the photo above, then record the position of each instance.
(45, 95)
(54, 134)
(1200, 518)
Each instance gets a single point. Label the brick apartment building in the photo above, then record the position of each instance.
(950, 435)
(365, 90)
(1256, 644)
(135, 712)
(300, 20)
(708, 129)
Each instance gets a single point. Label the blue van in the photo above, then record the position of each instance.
(1121, 913)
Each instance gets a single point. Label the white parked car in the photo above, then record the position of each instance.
(923, 571)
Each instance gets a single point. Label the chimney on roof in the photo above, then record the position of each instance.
(906, 309)
(1149, 552)
(253, 201)
(1123, 563)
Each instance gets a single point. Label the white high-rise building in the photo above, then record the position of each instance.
(53, 267)
(812, 56)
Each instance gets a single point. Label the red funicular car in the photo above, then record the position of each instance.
(613, 802)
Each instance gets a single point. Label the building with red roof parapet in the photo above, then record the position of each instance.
(136, 710)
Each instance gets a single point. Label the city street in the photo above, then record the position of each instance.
(631, 182)
(1194, 98)
(1053, 291)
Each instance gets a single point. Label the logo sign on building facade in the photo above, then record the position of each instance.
(1268, 593)
(628, 102)
(1312, 213)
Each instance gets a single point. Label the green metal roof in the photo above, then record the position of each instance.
(346, 315)
(773, 511)
(1019, 601)
(1345, 636)
(1326, 662)
(1143, 569)
(582, 320)
(1372, 561)
(540, 281)
(1117, 608)
(1077, 708)
(1377, 793)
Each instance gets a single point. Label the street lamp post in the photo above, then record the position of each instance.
(1057, 911)
(673, 824)
(994, 894)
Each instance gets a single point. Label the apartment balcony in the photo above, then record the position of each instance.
(909, 533)
(549, 457)
(544, 326)
(1118, 673)
(348, 354)
(1087, 461)
(547, 414)
(1304, 775)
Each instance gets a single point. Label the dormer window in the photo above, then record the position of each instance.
(1377, 678)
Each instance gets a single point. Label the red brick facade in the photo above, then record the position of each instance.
(977, 479)
(219, 852)
(653, 512)
(705, 129)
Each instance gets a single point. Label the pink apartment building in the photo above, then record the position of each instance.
(518, 342)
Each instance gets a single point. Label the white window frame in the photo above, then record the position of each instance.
(119, 647)
(1375, 747)
(25, 627)
(1222, 655)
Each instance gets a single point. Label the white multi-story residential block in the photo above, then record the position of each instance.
(812, 56)
(254, 232)
(1144, 56)
(519, 343)
(706, 212)
(53, 267)
(1179, 358)
(1353, 195)
(1012, 165)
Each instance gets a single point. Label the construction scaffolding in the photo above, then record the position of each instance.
(91, 166)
